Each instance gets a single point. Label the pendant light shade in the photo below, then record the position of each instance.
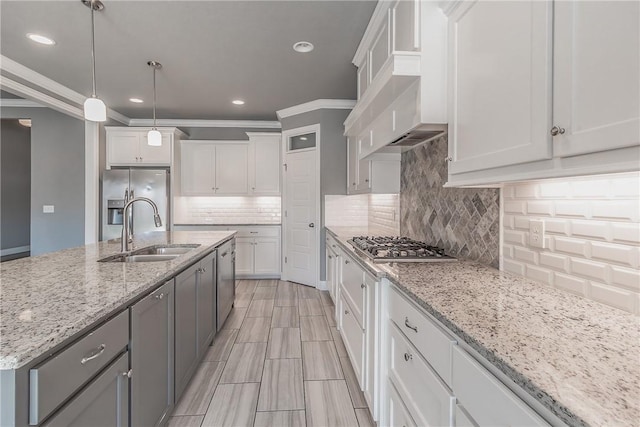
(154, 137)
(94, 108)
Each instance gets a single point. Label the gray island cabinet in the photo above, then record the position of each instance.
(131, 362)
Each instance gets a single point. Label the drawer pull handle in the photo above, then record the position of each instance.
(94, 354)
(160, 295)
(346, 261)
(346, 312)
(253, 232)
(408, 325)
(128, 373)
(408, 356)
(330, 257)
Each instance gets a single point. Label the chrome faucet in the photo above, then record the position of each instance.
(127, 236)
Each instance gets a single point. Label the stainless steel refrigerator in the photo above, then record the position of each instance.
(120, 185)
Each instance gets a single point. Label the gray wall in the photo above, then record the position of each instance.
(57, 178)
(333, 158)
(15, 184)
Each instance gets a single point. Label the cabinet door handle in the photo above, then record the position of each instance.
(224, 254)
(346, 312)
(160, 295)
(140, 158)
(362, 285)
(128, 373)
(346, 261)
(557, 130)
(409, 325)
(448, 159)
(408, 356)
(95, 353)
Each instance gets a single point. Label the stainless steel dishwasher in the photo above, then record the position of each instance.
(226, 289)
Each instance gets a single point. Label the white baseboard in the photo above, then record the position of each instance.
(322, 285)
(15, 250)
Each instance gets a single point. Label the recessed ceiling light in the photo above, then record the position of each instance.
(38, 38)
(136, 100)
(237, 102)
(303, 47)
(25, 122)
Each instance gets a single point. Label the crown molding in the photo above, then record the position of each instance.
(254, 124)
(45, 100)
(318, 104)
(258, 134)
(19, 103)
(42, 82)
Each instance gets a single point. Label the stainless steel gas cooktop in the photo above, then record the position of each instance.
(381, 249)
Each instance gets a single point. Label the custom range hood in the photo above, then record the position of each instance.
(419, 135)
(401, 79)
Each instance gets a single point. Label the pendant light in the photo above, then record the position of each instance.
(154, 137)
(94, 108)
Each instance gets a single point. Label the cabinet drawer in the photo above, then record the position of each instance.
(398, 414)
(485, 398)
(103, 402)
(256, 231)
(353, 337)
(53, 381)
(353, 286)
(428, 399)
(431, 341)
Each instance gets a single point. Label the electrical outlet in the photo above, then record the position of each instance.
(48, 209)
(536, 233)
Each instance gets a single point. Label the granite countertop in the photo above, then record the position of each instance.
(45, 300)
(577, 357)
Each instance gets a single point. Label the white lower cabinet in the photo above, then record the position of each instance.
(257, 252)
(485, 398)
(244, 256)
(398, 414)
(353, 337)
(462, 418)
(426, 396)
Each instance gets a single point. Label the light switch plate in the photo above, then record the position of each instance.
(536, 233)
(48, 209)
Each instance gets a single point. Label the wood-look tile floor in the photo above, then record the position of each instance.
(278, 361)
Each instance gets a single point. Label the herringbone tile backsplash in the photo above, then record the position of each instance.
(464, 221)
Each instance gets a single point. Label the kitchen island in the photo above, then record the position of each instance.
(50, 301)
(562, 353)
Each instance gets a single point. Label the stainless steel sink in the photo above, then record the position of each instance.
(151, 254)
(165, 250)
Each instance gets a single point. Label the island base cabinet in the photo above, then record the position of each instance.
(398, 414)
(151, 353)
(104, 402)
(186, 340)
(206, 295)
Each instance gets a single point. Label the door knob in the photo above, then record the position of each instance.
(556, 130)
(312, 225)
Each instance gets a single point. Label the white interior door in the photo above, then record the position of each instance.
(301, 220)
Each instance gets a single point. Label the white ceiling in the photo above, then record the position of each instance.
(212, 52)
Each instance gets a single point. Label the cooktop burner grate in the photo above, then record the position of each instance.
(398, 249)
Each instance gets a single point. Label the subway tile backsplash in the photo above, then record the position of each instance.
(227, 210)
(379, 212)
(592, 244)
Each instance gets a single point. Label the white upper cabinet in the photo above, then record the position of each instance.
(500, 95)
(128, 147)
(232, 168)
(596, 76)
(264, 163)
(232, 162)
(214, 168)
(542, 89)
